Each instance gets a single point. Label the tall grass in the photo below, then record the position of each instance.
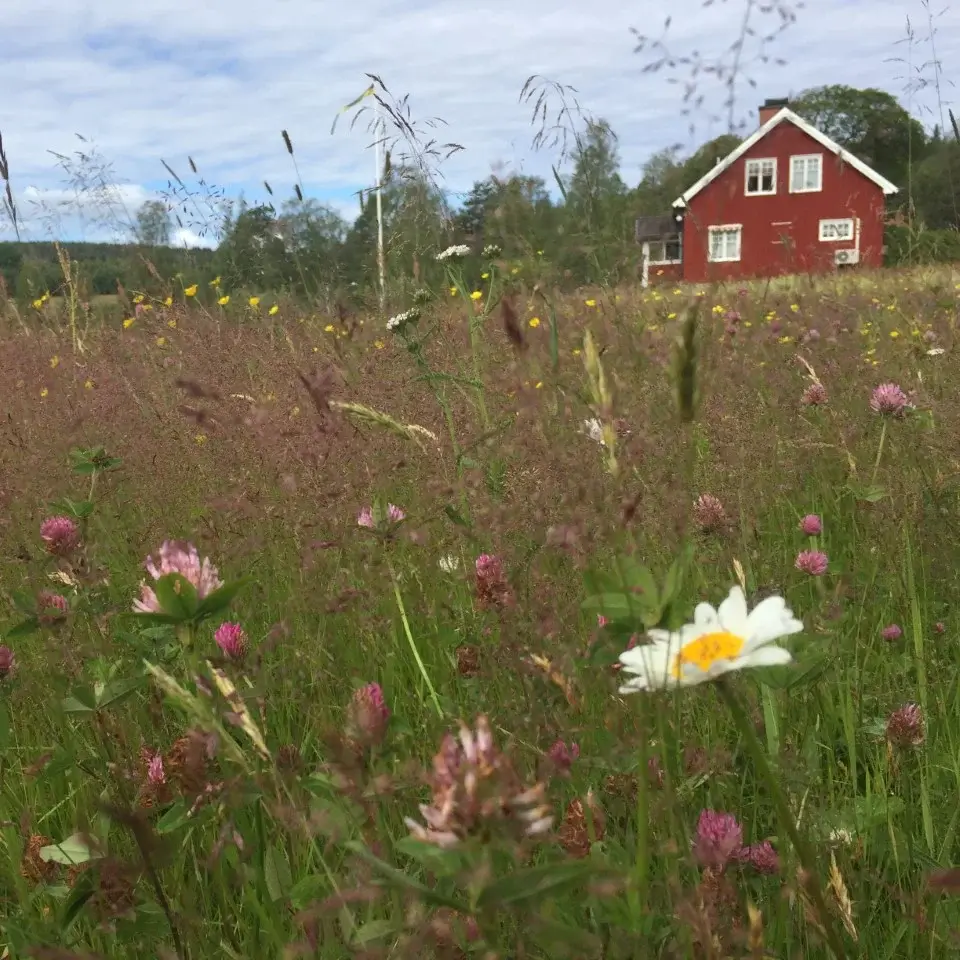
(281, 823)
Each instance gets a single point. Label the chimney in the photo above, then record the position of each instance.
(770, 108)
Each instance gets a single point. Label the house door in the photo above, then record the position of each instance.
(783, 247)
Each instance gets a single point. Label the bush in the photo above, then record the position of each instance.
(906, 245)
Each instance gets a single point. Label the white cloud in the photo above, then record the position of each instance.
(218, 81)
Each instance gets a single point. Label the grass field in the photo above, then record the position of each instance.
(172, 787)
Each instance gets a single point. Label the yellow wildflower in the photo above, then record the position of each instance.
(476, 295)
(54, 362)
(200, 439)
(671, 316)
(794, 307)
(215, 282)
(379, 344)
(88, 385)
(168, 301)
(172, 323)
(328, 328)
(453, 291)
(224, 300)
(534, 322)
(254, 302)
(43, 392)
(273, 310)
(590, 303)
(894, 334)
(161, 341)
(38, 303)
(484, 276)
(128, 323)
(190, 291)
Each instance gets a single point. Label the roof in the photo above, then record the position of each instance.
(656, 228)
(786, 115)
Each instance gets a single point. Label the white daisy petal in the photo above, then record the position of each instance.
(704, 615)
(769, 656)
(732, 613)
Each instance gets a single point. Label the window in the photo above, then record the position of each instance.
(832, 230)
(806, 173)
(724, 243)
(761, 177)
(669, 250)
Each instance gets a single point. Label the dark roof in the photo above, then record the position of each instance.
(656, 228)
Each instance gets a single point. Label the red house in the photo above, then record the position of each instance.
(787, 200)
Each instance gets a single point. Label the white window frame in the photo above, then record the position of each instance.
(807, 159)
(663, 245)
(736, 229)
(758, 165)
(844, 220)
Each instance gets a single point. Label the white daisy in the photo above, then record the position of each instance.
(593, 428)
(717, 642)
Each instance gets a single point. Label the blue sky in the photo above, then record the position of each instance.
(218, 81)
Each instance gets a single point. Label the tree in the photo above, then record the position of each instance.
(253, 253)
(471, 219)
(936, 187)
(869, 123)
(152, 228)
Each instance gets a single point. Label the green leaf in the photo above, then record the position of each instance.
(374, 930)
(455, 516)
(83, 699)
(803, 673)
(118, 690)
(174, 818)
(177, 596)
(82, 891)
(564, 939)
(25, 602)
(536, 883)
(78, 848)
(638, 580)
(631, 608)
(23, 629)
(443, 863)
(308, 889)
(276, 873)
(398, 879)
(220, 599)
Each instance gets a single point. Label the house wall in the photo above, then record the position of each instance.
(795, 217)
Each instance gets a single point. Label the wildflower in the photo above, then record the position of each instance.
(761, 856)
(401, 320)
(450, 563)
(468, 660)
(905, 727)
(579, 830)
(718, 641)
(190, 291)
(128, 323)
(590, 303)
(232, 640)
(51, 608)
(534, 322)
(476, 295)
(891, 632)
(224, 300)
(273, 310)
(328, 328)
(889, 400)
(814, 562)
(254, 302)
(719, 838)
(593, 428)
(156, 775)
(476, 792)
(60, 535)
(491, 250)
(811, 525)
(365, 518)
(215, 282)
(8, 661)
(177, 556)
(44, 392)
(815, 395)
(562, 756)
(708, 513)
(54, 362)
(492, 588)
(168, 301)
(939, 627)
(368, 715)
(456, 252)
(372, 520)
(602, 621)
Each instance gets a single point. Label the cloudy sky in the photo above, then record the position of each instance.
(160, 80)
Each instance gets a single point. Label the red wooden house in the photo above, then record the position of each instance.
(787, 200)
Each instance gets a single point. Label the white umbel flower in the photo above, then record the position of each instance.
(456, 252)
(402, 319)
(718, 641)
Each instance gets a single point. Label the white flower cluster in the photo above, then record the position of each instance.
(456, 252)
(402, 319)
(491, 250)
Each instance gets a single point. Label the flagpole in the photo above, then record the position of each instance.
(381, 261)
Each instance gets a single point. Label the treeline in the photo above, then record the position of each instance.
(583, 236)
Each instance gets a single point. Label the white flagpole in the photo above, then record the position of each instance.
(381, 261)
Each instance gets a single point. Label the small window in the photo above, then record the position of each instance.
(806, 173)
(669, 250)
(834, 230)
(761, 177)
(724, 243)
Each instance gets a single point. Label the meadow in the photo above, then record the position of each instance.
(390, 720)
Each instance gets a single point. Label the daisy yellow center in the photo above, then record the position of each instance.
(705, 651)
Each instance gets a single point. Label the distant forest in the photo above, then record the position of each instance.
(584, 236)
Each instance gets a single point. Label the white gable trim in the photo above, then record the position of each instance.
(786, 115)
